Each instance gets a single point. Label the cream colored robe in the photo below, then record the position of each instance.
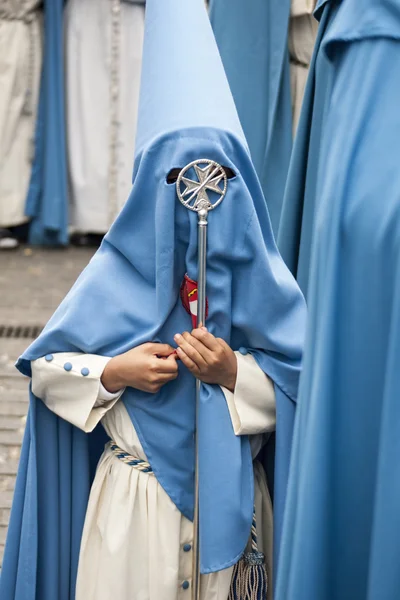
(302, 33)
(103, 65)
(136, 545)
(20, 66)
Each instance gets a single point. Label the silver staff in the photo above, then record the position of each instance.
(195, 195)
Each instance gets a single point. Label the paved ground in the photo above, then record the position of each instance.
(32, 284)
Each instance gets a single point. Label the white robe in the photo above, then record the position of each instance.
(302, 33)
(20, 66)
(136, 545)
(101, 107)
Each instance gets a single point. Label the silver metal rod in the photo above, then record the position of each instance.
(202, 273)
(196, 544)
(201, 319)
(193, 194)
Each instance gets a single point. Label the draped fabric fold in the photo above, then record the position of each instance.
(340, 532)
(20, 67)
(47, 201)
(294, 236)
(253, 42)
(42, 549)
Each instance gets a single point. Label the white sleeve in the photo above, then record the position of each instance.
(252, 405)
(69, 384)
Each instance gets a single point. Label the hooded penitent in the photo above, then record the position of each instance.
(130, 294)
(340, 539)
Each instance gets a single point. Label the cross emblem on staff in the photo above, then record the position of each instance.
(195, 194)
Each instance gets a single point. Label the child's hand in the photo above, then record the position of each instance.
(147, 368)
(207, 357)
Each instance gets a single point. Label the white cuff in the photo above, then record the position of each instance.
(106, 396)
(69, 384)
(252, 405)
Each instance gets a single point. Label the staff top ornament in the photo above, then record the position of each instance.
(201, 185)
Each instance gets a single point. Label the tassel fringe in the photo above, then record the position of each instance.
(250, 579)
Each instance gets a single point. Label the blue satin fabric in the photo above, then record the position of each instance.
(252, 38)
(51, 493)
(340, 538)
(129, 294)
(47, 200)
(299, 205)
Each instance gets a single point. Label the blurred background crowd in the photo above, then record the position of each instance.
(69, 93)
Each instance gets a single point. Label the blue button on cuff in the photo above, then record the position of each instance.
(187, 548)
(67, 366)
(185, 585)
(85, 371)
(243, 351)
(49, 357)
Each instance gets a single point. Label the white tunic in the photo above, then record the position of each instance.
(103, 64)
(136, 545)
(20, 66)
(302, 33)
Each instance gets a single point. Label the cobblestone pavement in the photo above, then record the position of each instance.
(32, 284)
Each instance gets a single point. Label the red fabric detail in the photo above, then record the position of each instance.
(188, 294)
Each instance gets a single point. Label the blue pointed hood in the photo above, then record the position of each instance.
(183, 81)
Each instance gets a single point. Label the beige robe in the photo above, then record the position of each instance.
(136, 545)
(20, 66)
(302, 33)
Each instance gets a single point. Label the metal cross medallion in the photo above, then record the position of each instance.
(209, 189)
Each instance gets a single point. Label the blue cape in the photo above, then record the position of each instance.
(47, 200)
(340, 536)
(252, 38)
(129, 294)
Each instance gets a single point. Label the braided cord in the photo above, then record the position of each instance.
(130, 460)
(254, 541)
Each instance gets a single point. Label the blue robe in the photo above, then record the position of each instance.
(252, 38)
(47, 200)
(341, 532)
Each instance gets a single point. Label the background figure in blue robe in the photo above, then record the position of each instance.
(256, 40)
(253, 41)
(299, 204)
(47, 201)
(341, 532)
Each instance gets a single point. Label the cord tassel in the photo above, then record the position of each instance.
(250, 580)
